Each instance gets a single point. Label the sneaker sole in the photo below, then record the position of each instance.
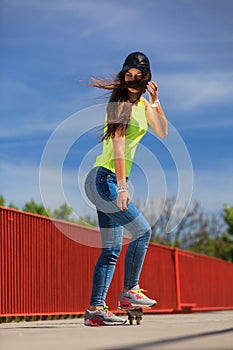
(100, 323)
(135, 306)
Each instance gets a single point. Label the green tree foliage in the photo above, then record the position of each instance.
(13, 206)
(2, 201)
(223, 247)
(88, 220)
(35, 208)
(228, 218)
(63, 212)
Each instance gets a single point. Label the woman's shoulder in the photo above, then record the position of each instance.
(144, 101)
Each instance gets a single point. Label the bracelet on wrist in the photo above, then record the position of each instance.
(122, 189)
(155, 104)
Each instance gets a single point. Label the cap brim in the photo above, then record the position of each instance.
(129, 66)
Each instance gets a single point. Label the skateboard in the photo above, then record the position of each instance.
(135, 313)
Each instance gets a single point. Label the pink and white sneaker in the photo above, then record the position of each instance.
(135, 298)
(102, 318)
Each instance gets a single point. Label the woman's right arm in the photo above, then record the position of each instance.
(123, 197)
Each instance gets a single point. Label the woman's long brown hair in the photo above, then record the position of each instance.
(119, 106)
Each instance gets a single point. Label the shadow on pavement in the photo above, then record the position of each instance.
(154, 344)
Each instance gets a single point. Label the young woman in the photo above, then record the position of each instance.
(127, 118)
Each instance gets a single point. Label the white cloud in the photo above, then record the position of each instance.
(98, 15)
(186, 92)
(30, 111)
(211, 124)
(32, 126)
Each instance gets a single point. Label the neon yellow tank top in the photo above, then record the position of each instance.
(136, 129)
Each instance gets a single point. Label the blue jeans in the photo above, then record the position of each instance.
(100, 187)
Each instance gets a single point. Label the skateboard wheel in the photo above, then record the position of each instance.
(131, 318)
(135, 314)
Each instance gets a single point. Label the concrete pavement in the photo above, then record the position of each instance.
(212, 331)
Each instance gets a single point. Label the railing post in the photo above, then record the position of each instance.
(177, 279)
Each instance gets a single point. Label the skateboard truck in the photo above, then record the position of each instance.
(136, 315)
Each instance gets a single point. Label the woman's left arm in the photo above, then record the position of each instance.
(154, 114)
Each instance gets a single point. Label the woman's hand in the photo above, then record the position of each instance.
(123, 200)
(152, 90)
(154, 113)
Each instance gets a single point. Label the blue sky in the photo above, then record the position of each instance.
(49, 51)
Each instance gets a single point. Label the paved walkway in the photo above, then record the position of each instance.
(212, 330)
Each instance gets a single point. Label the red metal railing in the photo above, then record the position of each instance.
(205, 283)
(46, 269)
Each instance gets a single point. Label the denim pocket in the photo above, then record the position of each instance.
(106, 178)
(106, 187)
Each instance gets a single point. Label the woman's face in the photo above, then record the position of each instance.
(132, 75)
